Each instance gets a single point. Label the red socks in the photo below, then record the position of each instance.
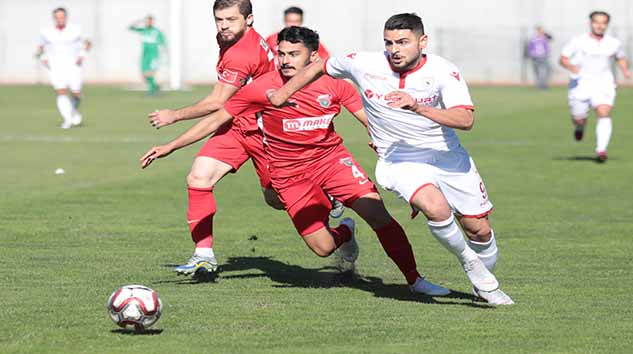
(200, 216)
(341, 234)
(395, 243)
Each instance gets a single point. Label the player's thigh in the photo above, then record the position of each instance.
(416, 184)
(75, 80)
(59, 80)
(343, 178)
(465, 190)
(306, 204)
(579, 109)
(225, 146)
(206, 172)
(477, 229)
(371, 208)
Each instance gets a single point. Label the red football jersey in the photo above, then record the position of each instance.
(303, 132)
(242, 62)
(272, 43)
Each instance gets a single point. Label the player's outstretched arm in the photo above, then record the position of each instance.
(202, 129)
(458, 118)
(361, 116)
(565, 63)
(213, 102)
(305, 76)
(624, 67)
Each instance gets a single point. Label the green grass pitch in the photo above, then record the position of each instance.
(564, 225)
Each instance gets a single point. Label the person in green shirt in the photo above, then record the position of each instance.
(153, 41)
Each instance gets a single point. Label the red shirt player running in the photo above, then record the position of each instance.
(307, 158)
(293, 16)
(244, 56)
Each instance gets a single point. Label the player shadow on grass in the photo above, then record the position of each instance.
(578, 158)
(294, 276)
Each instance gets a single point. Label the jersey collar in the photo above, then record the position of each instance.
(403, 76)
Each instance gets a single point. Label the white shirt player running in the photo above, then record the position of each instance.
(595, 83)
(62, 49)
(415, 151)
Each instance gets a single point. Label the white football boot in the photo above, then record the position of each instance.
(481, 278)
(423, 286)
(349, 250)
(75, 119)
(495, 297)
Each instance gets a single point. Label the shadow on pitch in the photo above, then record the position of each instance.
(132, 332)
(294, 276)
(579, 158)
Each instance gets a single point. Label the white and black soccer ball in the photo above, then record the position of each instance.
(135, 305)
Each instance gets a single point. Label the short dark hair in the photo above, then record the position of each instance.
(409, 21)
(245, 7)
(294, 10)
(295, 34)
(60, 9)
(600, 13)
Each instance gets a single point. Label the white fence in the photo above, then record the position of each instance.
(484, 37)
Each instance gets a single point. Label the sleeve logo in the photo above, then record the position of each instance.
(455, 74)
(351, 55)
(228, 76)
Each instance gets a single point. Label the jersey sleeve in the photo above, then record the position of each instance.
(349, 97)
(340, 67)
(454, 90)
(569, 49)
(235, 69)
(248, 100)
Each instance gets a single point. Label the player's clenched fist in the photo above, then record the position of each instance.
(162, 118)
(400, 99)
(155, 153)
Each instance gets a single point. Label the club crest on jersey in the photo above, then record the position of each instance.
(428, 81)
(325, 100)
(347, 161)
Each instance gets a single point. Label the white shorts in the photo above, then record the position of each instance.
(66, 77)
(453, 172)
(585, 95)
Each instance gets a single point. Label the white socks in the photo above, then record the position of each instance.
(450, 236)
(204, 252)
(603, 133)
(487, 251)
(65, 108)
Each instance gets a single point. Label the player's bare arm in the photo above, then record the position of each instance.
(305, 76)
(361, 116)
(202, 129)
(458, 118)
(565, 63)
(39, 55)
(214, 101)
(624, 67)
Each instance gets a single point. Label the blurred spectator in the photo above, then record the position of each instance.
(538, 50)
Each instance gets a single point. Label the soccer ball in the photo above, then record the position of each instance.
(135, 305)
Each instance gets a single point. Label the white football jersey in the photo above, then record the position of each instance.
(593, 56)
(62, 47)
(402, 135)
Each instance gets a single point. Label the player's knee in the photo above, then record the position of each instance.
(272, 199)
(200, 179)
(61, 92)
(478, 231)
(322, 250)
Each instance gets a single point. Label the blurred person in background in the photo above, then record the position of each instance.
(538, 50)
(62, 51)
(293, 16)
(589, 58)
(153, 41)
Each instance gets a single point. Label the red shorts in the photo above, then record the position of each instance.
(305, 195)
(234, 147)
